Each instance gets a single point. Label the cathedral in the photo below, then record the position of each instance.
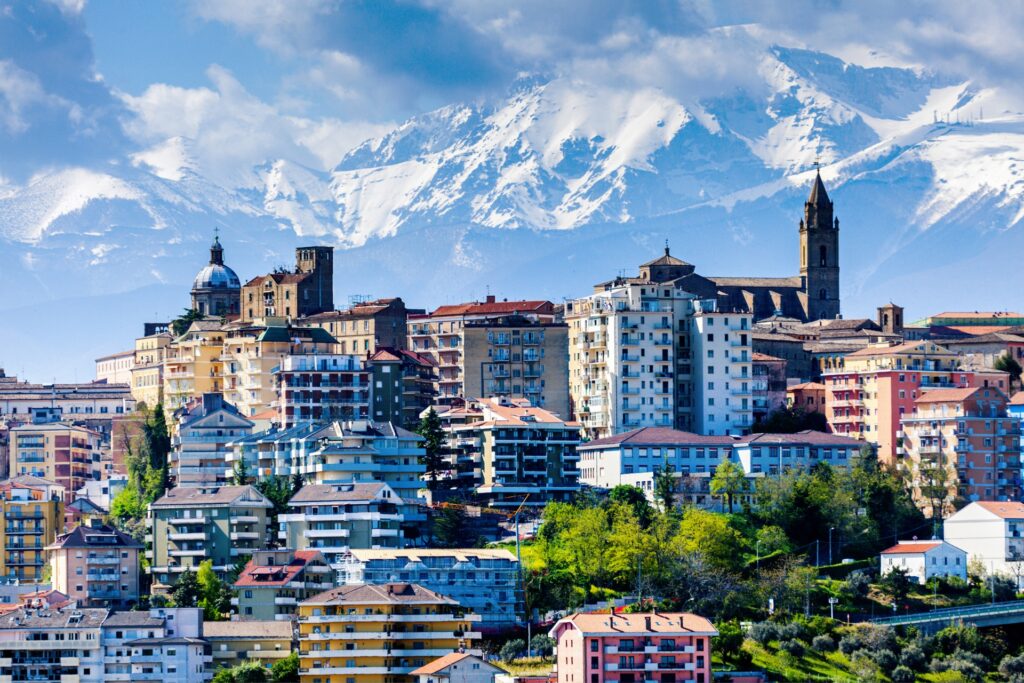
(811, 295)
(216, 290)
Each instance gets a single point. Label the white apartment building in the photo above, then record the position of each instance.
(992, 533)
(924, 559)
(657, 351)
(122, 628)
(320, 387)
(46, 644)
(175, 659)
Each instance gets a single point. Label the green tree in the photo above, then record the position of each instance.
(187, 591)
(635, 499)
(1009, 365)
(224, 675)
(512, 650)
(729, 640)
(665, 487)
(729, 481)
(710, 535)
(286, 670)
(240, 473)
(896, 584)
(127, 505)
(431, 430)
(449, 527)
(180, 325)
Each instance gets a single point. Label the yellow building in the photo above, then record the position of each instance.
(192, 364)
(31, 516)
(378, 633)
(147, 373)
(365, 326)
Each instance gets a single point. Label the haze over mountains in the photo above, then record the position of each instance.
(562, 182)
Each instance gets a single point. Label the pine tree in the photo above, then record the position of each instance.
(433, 443)
(665, 487)
(187, 590)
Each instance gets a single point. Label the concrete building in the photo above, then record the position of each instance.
(193, 365)
(171, 659)
(120, 629)
(485, 581)
(306, 291)
(962, 441)
(320, 388)
(236, 642)
(97, 566)
(32, 514)
(458, 667)
(43, 644)
(65, 454)
(216, 289)
(806, 396)
(402, 385)
(379, 634)
(496, 348)
(115, 368)
(924, 559)
(273, 582)
(722, 368)
(191, 524)
(767, 385)
(147, 374)
(91, 404)
(624, 648)
(991, 533)
(199, 447)
(333, 518)
(365, 326)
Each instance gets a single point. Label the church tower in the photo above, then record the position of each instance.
(819, 254)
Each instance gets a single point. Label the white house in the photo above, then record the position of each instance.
(925, 559)
(458, 667)
(992, 533)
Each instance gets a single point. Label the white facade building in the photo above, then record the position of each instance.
(991, 533)
(722, 374)
(458, 667)
(924, 559)
(175, 659)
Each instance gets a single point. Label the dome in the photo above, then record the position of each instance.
(216, 276)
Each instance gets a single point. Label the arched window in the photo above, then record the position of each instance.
(823, 251)
(822, 294)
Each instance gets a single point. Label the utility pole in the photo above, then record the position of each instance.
(830, 530)
(817, 553)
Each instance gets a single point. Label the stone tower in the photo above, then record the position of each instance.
(890, 318)
(819, 254)
(318, 262)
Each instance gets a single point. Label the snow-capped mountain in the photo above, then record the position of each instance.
(562, 183)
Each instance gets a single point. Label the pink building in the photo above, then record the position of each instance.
(633, 648)
(96, 565)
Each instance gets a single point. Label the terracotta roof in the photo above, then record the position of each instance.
(183, 496)
(375, 594)
(1001, 509)
(946, 395)
(386, 353)
(268, 414)
(887, 350)
(95, 537)
(278, 278)
(278, 575)
(768, 282)
(668, 623)
(340, 493)
(659, 436)
(1018, 399)
(806, 386)
(248, 629)
(442, 663)
(757, 356)
(492, 308)
(911, 547)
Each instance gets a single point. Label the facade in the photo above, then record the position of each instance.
(496, 348)
(723, 378)
(333, 518)
(378, 633)
(65, 454)
(992, 534)
(199, 445)
(320, 388)
(192, 365)
(365, 326)
(33, 515)
(485, 581)
(97, 566)
(171, 659)
(93, 404)
(458, 667)
(273, 582)
(216, 290)
(624, 647)
(403, 385)
(235, 642)
(767, 386)
(44, 644)
(115, 368)
(306, 291)
(924, 559)
(121, 628)
(191, 524)
(962, 441)
(147, 374)
(806, 396)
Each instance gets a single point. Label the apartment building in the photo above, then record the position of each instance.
(518, 452)
(65, 454)
(627, 648)
(991, 533)
(147, 373)
(496, 348)
(768, 385)
(365, 326)
(193, 365)
(97, 566)
(273, 582)
(269, 452)
(191, 524)
(115, 368)
(32, 515)
(659, 350)
(43, 644)
(333, 518)
(92, 404)
(379, 633)
(170, 659)
(308, 290)
(321, 387)
(806, 396)
(872, 389)
(402, 385)
(235, 642)
(484, 581)
(963, 438)
(199, 446)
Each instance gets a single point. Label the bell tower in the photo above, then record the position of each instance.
(819, 254)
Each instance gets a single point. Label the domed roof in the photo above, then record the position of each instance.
(216, 275)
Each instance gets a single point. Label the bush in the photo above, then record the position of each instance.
(903, 674)
(885, 659)
(542, 645)
(879, 638)
(857, 584)
(513, 649)
(863, 666)
(764, 632)
(793, 647)
(913, 658)
(823, 644)
(729, 641)
(850, 644)
(971, 672)
(791, 631)
(1012, 666)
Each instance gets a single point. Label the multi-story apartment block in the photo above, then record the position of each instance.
(991, 533)
(65, 454)
(192, 364)
(627, 648)
(200, 443)
(32, 516)
(321, 387)
(97, 566)
(403, 385)
(496, 348)
(273, 582)
(191, 524)
(236, 642)
(307, 291)
(333, 518)
(171, 659)
(147, 375)
(269, 452)
(872, 389)
(378, 633)
(115, 368)
(962, 439)
(768, 385)
(92, 404)
(42, 644)
(658, 350)
(518, 452)
(251, 354)
(122, 631)
(485, 581)
(365, 326)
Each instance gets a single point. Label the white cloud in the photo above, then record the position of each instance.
(20, 90)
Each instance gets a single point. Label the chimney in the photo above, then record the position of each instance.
(490, 299)
(647, 623)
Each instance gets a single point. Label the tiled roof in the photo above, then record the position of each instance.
(247, 629)
(95, 537)
(380, 593)
(1018, 399)
(279, 278)
(805, 386)
(140, 619)
(340, 493)
(887, 350)
(769, 282)
(492, 308)
(277, 575)
(442, 663)
(52, 618)
(1001, 509)
(978, 314)
(946, 395)
(910, 547)
(658, 436)
(181, 496)
(667, 623)
(757, 356)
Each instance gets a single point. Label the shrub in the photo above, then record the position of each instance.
(729, 640)
(793, 647)
(823, 644)
(971, 672)
(542, 645)
(879, 638)
(513, 649)
(857, 584)
(791, 631)
(764, 632)
(903, 674)
(849, 644)
(885, 659)
(1012, 666)
(863, 667)
(913, 657)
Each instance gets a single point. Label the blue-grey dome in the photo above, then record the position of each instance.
(216, 276)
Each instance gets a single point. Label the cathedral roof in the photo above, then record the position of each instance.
(215, 275)
(817, 190)
(666, 260)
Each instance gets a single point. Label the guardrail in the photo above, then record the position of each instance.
(949, 613)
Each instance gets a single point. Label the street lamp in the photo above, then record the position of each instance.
(757, 554)
(830, 530)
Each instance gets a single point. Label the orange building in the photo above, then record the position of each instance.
(809, 396)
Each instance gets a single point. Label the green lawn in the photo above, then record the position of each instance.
(811, 667)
